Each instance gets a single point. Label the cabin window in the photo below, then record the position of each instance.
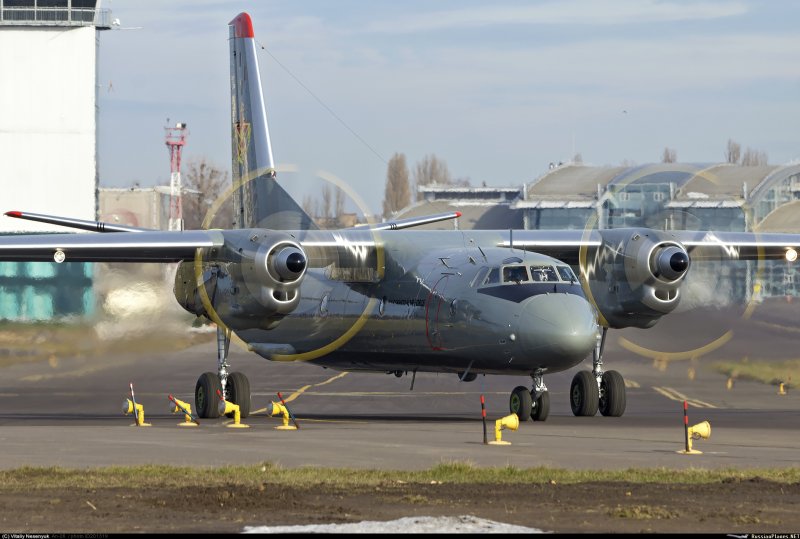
(543, 273)
(515, 274)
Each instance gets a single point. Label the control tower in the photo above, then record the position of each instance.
(48, 142)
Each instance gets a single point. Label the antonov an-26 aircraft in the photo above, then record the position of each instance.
(388, 299)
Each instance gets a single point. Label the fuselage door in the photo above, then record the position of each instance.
(437, 313)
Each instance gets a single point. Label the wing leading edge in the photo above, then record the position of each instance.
(701, 245)
(158, 246)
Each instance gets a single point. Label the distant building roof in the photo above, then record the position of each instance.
(691, 181)
(785, 218)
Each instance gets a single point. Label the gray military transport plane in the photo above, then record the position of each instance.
(388, 299)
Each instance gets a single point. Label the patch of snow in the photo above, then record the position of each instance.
(462, 524)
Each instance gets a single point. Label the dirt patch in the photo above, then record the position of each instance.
(729, 507)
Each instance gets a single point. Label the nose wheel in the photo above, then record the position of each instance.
(531, 404)
(521, 403)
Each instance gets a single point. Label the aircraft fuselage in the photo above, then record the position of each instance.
(474, 308)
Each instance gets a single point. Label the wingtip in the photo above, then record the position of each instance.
(458, 214)
(14, 213)
(243, 25)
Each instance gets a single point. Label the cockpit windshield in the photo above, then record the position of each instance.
(515, 274)
(493, 277)
(544, 273)
(566, 274)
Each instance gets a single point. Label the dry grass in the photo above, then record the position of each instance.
(769, 372)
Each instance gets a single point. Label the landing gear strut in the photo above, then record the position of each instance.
(531, 404)
(234, 386)
(595, 390)
(540, 397)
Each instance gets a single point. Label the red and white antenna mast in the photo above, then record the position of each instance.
(175, 140)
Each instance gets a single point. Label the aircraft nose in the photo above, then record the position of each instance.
(558, 326)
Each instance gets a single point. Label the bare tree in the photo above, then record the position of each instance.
(577, 159)
(754, 158)
(326, 202)
(733, 152)
(398, 192)
(338, 204)
(311, 206)
(670, 155)
(209, 184)
(429, 171)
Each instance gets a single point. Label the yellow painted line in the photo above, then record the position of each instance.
(297, 393)
(672, 394)
(697, 402)
(631, 384)
(340, 375)
(302, 390)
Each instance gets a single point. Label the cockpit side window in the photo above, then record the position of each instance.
(479, 277)
(566, 274)
(493, 277)
(515, 274)
(543, 273)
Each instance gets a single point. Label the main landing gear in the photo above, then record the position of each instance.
(597, 390)
(235, 386)
(531, 404)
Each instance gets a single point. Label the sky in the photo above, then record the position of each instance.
(498, 90)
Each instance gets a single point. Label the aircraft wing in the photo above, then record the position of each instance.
(739, 245)
(701, 245)
(159, 246)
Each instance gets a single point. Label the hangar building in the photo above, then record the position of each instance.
(666, 196)
(48, 136)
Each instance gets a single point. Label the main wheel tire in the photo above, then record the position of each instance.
(542, 408)
(521, 403)
(238, 389)
(584, 395)
(612, 394)
(206, 401)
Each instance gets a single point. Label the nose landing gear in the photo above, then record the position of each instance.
(531, 404)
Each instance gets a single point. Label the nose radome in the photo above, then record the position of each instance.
(558, 325)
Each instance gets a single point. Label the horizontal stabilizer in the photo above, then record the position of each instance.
(412, 221)
(80, 224)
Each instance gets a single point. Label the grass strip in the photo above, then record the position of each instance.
(768, 372)
(27, 478)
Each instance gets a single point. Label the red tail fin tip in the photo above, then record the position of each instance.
(243, 25)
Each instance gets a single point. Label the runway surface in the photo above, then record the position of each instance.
(68, 412)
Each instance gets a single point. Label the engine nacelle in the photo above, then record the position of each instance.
(274, 275)
(635, 276)
(253, 282)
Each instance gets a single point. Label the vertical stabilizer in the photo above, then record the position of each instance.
(259, 201)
